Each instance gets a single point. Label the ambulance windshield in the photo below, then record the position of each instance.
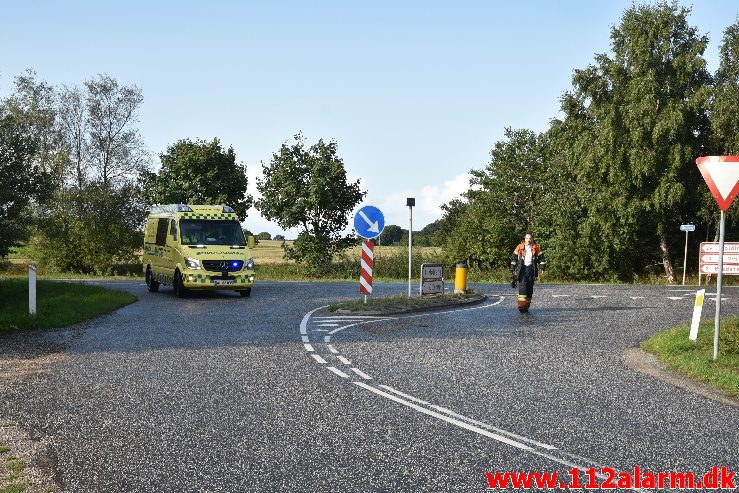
(209, 232)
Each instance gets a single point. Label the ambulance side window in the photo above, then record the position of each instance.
(162, 232)
(173, 229)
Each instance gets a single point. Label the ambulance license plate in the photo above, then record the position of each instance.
(221, 282)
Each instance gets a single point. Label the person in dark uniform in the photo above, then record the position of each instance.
(526, 262)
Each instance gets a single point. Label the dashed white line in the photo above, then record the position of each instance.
(560, 296)
(344, 360)
(319, 359)
(361, 373)
(305, 338)
(598, 296)
(675, 298)
(337, 371)
(327, 325)
(637, 297)
(308, 347)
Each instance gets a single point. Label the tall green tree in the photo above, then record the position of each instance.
(307, 188)
(390, 234)
(24, 181)
(504, 201)
(200, 172)
(643, 112)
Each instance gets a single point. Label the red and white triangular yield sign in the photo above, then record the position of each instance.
(721, 174)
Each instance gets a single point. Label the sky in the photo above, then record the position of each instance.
(414, 93)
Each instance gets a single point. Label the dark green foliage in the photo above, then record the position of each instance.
(503, 203)
(199, 172)
(306, 187)
(264, 236)
(390, 235)
(279, 238)
(92, 229)
(23, 180)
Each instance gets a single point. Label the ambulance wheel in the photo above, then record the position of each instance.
(180, 290)
(151, 284)
(245, 293)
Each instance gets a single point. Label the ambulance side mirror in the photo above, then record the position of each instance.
(250, 241)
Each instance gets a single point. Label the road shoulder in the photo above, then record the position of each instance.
(641, 361)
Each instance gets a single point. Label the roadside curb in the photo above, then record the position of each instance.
(641, 361)
(433, 308)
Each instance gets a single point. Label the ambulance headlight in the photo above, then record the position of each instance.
(249, 264)
(192, 263)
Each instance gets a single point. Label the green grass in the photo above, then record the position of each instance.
(59, 304)
(401, 302)
(695, 359)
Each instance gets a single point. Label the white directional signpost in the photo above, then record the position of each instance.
(687, 228)
(369, 223)
(721, 174)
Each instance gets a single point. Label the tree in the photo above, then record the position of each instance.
(33, 105)
(200, 172)
(74, 128)
(390, 235)
(23, 180)
(264, 236)
(116, 149)
(306, 187)
(642, 112)
(279, 238)
(504, 201)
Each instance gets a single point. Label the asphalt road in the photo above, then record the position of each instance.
(220, 393)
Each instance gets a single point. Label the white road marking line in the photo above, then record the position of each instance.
(475, 429)
(308, 348)
(327, 325)
(332, 349)
(675, 298)
(560, 296)
(409, 397)
(361, 373)
(326, 339)
(722, 299)
(305, 339)
(494, 428)
(319, 359)
(320, 330)
(337, 371)
(304, 322)
(348, 317)
(344, 360)
(637, 297)
(443, 417)
(598, 296)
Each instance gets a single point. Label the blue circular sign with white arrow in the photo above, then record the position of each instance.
(369, 222)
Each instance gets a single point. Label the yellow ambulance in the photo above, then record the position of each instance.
(197, 247)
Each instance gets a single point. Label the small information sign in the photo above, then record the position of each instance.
(432, 279)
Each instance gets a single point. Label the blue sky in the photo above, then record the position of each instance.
(415, 93)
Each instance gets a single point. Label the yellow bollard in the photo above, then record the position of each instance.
(460, 278)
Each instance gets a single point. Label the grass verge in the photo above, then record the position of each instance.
(695, 359)
(59, 304)
(402, 302)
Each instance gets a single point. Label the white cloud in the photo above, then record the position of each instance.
(429, 199)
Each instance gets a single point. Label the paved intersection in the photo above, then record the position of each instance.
(220, 393)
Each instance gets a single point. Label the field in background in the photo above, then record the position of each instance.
(270, 252)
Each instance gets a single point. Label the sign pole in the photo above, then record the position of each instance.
(719, 281)
(410, 250)
(685, 257)
(410, 202)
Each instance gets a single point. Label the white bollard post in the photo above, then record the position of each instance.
(697, 309)
(32, 290)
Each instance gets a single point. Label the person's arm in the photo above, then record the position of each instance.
(542, 260)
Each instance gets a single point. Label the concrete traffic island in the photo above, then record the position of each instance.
(400, 304)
